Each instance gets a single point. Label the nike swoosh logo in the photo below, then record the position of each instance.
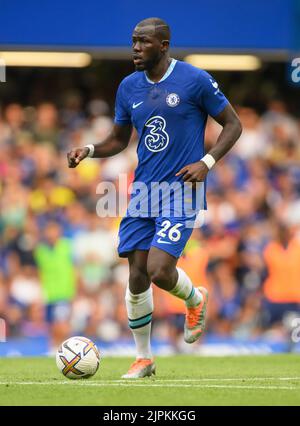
(136, 105)
(163, 242)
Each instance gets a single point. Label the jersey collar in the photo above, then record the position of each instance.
(166, 75)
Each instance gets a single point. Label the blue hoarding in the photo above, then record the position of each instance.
(197, 24)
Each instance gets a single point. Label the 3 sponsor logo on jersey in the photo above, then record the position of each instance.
(157, 139)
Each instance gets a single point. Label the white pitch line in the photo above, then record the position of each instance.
(92, 384)
(149, 381)
(214, 379)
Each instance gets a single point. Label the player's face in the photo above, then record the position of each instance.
(147, 48)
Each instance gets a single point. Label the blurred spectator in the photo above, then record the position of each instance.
(57, 274)
(225, 295)
(251, 144)
(46, 127)
(15, 128)
(281, 287)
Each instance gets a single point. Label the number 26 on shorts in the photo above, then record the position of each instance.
(173, 232)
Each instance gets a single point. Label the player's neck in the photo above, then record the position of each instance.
(157, 72)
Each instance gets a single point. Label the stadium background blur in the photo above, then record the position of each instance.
(247, 254)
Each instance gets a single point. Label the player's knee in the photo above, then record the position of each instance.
(159, 275)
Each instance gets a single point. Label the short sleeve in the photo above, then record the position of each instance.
(122, 115)
(210, 97)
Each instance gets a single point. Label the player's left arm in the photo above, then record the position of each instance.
(232, 129)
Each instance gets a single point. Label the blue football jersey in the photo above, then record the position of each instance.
(170, 118)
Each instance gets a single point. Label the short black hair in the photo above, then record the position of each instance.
(161, 28)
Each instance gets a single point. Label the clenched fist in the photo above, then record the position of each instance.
(77, 155)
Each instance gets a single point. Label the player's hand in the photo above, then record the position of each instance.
(195, 172)
(77, 155)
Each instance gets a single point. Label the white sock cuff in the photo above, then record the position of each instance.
(139, 299)
(139, 307)
(181, 275)
(184, 286)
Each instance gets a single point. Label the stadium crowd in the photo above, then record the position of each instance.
(58, 259)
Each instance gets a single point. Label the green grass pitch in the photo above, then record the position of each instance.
(180, 381)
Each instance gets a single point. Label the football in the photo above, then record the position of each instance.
(78, 357)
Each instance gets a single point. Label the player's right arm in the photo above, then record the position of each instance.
(115, 142)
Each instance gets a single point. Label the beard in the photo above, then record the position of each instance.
(148, 64)
(140, 67)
